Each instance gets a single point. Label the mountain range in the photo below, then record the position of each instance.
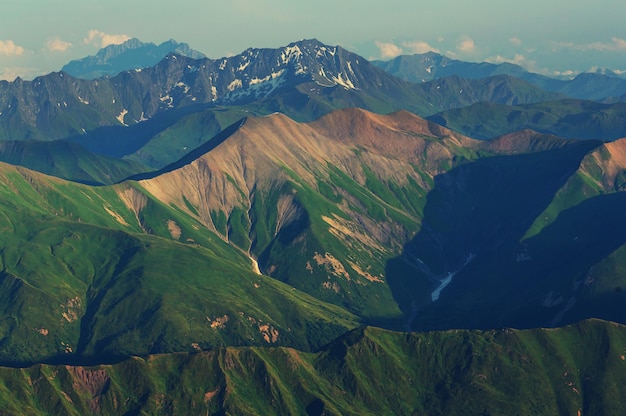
(303, 80)
(599, 85)
(203, 235)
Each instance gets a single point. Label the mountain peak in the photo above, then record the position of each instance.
(132, 43)
(257, 73)
(312, 42)
(132, 54)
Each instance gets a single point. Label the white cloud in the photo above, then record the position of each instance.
(388, 50)
(419, 47)
(602, 70)
(10, 74)
(8, 47)
(521, 60)
(619, 43)
(566, 73)
(615, 45)
(466, 45)
(102, 39)
(518, 59)
(57, 45)
(556, 46)
(515, 41)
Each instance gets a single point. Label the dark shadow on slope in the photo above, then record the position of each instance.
(557, 284)
(578, 239)
(472, 210)
(67, 160)
(191, 156)
(315, 408)
(120, 141)
(124, 279)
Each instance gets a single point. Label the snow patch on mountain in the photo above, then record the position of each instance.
(243, 66)
(167, 100)
(322, 74)
(234, 85)
(349, 64)
(268, 84)
(301, 69)
(272, 76)
(344, 82)
(184, 86)
(290, 53)
(322, 50)
(120, 118)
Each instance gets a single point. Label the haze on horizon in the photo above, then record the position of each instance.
(555, 38)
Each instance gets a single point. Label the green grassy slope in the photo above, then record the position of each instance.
(100, 272)
(577, 369)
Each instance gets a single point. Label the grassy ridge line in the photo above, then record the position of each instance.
(369, 371)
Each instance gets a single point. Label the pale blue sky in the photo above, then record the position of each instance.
(40, 36)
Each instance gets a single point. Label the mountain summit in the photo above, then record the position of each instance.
(132, 54)
(257, 73)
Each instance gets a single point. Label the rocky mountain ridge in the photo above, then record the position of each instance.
(305, 80)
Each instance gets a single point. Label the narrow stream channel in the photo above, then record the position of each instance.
(448, 279)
